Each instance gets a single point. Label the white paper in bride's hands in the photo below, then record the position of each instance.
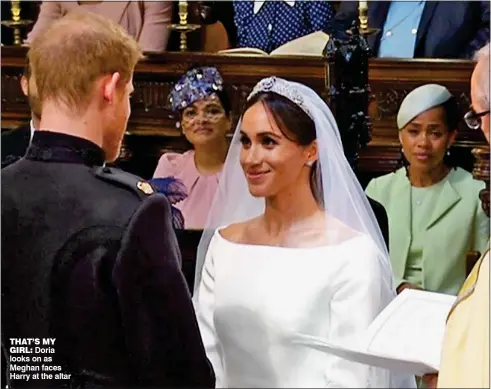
(406, 336)
(367, 358)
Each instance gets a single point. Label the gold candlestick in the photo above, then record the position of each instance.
(363, 18)
(183, 27)
(183, 12)
(16, 23)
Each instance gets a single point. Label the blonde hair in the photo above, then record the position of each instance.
(482, 57)
(69, 56)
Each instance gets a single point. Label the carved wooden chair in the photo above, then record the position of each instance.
(480, 172)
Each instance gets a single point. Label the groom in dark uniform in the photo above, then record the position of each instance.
(89, 256)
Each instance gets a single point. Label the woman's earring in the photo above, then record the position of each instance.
(309, 163)
(448, 153)
(178, 124)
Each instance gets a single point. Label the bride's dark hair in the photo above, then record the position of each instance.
(296, 126)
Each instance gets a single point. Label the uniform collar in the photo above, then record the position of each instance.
(57, 147)
(258, 4)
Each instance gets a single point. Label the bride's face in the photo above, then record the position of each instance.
(271, 162)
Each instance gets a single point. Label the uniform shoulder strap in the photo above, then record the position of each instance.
(139, 186)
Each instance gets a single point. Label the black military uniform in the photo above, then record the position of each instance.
(15, 143)
(89, 257)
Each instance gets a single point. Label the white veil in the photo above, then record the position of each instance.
(344, 198)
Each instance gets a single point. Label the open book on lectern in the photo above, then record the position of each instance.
(307, 45)
(405, 337)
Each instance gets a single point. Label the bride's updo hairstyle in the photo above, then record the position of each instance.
(295, 125)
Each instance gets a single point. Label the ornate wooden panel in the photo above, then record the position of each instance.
(152, 130)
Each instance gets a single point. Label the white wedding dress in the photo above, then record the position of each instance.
(250, 297)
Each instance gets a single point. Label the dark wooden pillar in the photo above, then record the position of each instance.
(348, 91)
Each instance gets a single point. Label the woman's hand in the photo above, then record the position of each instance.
(430, 380)
(407, 285)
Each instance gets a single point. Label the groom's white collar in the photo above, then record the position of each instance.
(259, 4)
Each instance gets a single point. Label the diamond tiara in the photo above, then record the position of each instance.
(281, 87)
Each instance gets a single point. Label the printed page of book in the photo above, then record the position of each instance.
(422, 316)
(243, 51)
(308, 45)
(406, 336)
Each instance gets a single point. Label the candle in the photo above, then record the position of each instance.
(363, 5)
(183, 12)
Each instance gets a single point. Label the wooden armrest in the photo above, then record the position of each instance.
(471, 259)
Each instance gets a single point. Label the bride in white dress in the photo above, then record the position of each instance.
(291, 246)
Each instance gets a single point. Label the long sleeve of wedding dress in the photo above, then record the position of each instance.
(250, 297)
(355, 303)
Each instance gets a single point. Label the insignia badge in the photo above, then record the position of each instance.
(145, 187)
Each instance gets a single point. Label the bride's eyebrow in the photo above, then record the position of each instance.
(262, 134)
(269, 133)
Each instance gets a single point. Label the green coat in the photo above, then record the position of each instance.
(456, 226)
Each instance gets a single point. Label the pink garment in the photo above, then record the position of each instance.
(201, 189)
(146, 21)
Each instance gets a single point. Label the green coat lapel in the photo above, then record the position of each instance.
(447, 199)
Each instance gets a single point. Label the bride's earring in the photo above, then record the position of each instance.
(309, 163)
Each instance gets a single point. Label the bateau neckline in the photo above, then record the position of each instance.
(237, 244)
